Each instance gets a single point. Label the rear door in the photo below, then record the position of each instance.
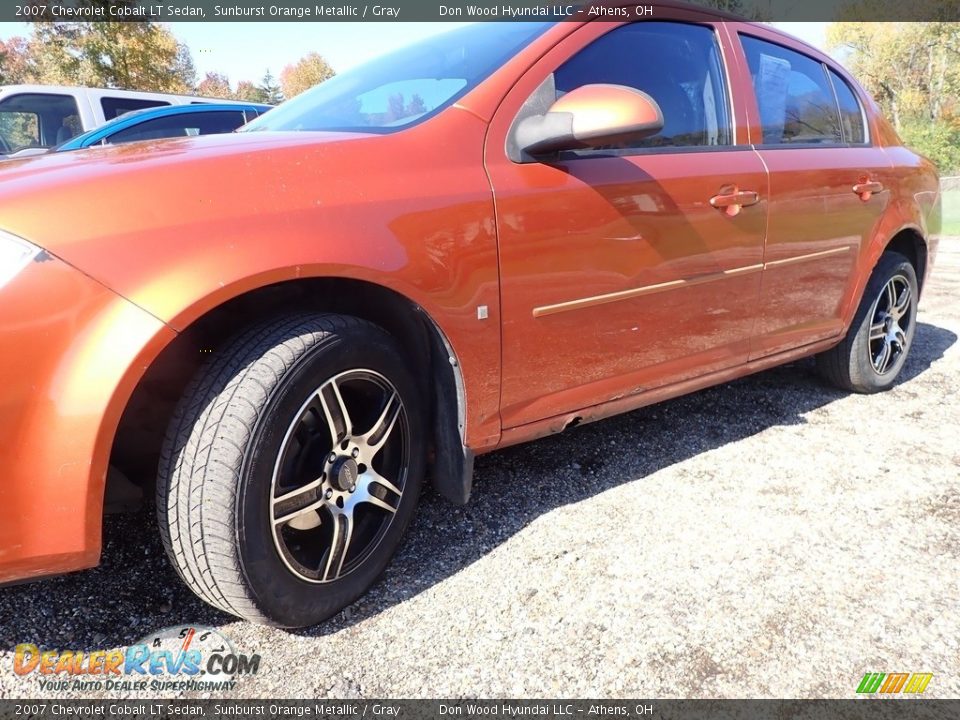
(617, 274)
(828, 190)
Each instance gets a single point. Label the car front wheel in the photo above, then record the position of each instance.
(292, 468)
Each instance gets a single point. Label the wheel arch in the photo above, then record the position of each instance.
(146, 412)
(904, 237)
(910, 242)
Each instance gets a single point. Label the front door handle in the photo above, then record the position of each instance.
(866, 189)
(732, 202)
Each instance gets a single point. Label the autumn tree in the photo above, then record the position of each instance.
(17, 130)
(246, 90)
(215, 85)
(14, 61)
(912, 69)
(312, 69)
(399, 109)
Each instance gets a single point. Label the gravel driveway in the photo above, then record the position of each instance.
(770, 537)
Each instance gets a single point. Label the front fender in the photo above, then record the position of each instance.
(180, 228)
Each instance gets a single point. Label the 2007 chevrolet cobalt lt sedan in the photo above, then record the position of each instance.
(498, 233)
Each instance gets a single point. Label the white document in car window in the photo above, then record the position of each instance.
(710, 113)
(772, 96)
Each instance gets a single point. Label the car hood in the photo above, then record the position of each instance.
(109, 210)
(176, 226)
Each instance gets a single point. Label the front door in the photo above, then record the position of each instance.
(617, 274)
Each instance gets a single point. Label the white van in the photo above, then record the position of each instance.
(42, 116)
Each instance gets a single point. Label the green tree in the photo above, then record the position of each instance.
(312, 69)
(912, 69)
(759, 10)
(938, 141)
(270, 90)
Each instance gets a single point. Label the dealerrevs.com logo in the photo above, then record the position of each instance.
(185, 658)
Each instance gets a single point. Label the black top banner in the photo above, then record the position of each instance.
(465, 11)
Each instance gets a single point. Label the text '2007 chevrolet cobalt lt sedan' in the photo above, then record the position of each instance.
(470, 243)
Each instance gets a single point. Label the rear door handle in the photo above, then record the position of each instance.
(866, 189)
(732, 202)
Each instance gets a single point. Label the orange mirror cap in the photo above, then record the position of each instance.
(597, 108)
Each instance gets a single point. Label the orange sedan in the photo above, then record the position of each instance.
(494, 235)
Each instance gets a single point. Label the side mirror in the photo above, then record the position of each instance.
(591, 116)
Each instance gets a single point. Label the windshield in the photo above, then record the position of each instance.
(402, 87)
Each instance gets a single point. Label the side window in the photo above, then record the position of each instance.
(851, 113)
(117, 106)
(793, 94)
(30, 120)
(678, 65)
(185, 125)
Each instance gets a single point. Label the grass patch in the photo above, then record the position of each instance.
(951, 212)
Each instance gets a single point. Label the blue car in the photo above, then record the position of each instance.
(168, 122)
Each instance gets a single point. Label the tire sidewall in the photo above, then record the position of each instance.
(281, 595)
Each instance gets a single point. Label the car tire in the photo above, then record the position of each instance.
(263, 513)
(875, 348)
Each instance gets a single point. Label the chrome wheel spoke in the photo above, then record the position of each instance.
(378, 435)
(891, 321)
(296, 503)
(316, 530)
(902, 303)
(380, 480)
(900, 338)
(372, 499)
(882, 359)
(890, 297)
(364, 492)
(335, 411)
(339, 545)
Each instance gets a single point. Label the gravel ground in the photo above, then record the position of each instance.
(768, 538)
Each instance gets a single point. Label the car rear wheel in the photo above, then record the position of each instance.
(292, 468)
(875, 349)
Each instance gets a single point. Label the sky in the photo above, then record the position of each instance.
(244, 51)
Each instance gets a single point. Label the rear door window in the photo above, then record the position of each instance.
(37, 120)
(185, 125)
(794, 95)
(117, 106)
(851, 112)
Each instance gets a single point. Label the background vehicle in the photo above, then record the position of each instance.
(42, 116)
(167, 122)
(501, 233)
